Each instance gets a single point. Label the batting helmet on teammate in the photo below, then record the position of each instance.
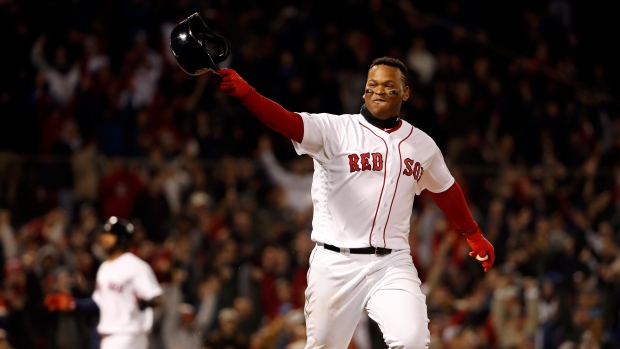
(121, 228)
(126, 292)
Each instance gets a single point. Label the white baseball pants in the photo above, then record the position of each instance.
(125, 341)
(342, 286)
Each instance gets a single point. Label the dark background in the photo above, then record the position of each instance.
(523, 103)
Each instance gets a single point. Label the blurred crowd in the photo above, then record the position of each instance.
(98, 120)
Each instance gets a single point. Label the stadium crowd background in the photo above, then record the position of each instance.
(98, 120)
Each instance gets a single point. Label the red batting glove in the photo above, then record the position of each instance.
(232, 84)
(59, 302)
(51, 302)
(481, 248)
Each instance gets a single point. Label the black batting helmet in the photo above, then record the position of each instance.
(196, 48)
(122, 228)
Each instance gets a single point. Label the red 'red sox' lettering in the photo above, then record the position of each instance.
(354, 162)
(353, 166)
(115, 287)
(377, 162)
(413, 169)
(363, 162)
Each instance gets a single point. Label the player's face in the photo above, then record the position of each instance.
(388, 91)
(108, 242)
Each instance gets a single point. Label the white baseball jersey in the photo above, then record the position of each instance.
(120, 283)
(365, 179)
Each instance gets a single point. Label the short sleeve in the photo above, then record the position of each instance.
(436, 176)
(321, 133)
(97, 295)
(145, 283)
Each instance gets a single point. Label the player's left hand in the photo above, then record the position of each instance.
(59, 302)
(482, 250)
(143, 303)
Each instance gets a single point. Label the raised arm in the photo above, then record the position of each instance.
(267, 111)
(64, 302)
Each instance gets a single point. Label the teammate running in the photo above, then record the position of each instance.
(368, 169)
(126, 291)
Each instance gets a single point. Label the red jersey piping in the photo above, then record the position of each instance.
(382, 187)
(400, 156)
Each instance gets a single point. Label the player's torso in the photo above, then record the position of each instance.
(114, 279)
(370, 184)
(116, 296)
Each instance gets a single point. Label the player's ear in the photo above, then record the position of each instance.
(406, 93)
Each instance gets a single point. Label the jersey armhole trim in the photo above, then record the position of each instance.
(445, 187)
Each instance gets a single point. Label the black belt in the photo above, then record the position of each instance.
(379, 251)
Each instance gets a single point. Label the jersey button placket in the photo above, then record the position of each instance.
(393, 170)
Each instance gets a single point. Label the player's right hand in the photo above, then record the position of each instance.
(232, 84)
(483, 251)
(59, 302)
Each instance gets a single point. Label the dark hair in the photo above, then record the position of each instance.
(392, 62)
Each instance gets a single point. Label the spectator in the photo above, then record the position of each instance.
(7, 236)
(61, 75)
(152, 209)
(86, 174)
(118, 189)
(180, 328)
(143, 68)
(514, 322)
(421, 61)
(4, 340)
(296, 183)
(227, 334)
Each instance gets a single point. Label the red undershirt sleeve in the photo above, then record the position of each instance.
(274, 115)
(452, 203)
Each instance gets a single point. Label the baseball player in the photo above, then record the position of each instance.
(126, 291)
(368, 169)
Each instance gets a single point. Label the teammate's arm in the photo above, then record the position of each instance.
(267, 111)
(148, 292)
(151, 303)
(65, 302)
(452, 203)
